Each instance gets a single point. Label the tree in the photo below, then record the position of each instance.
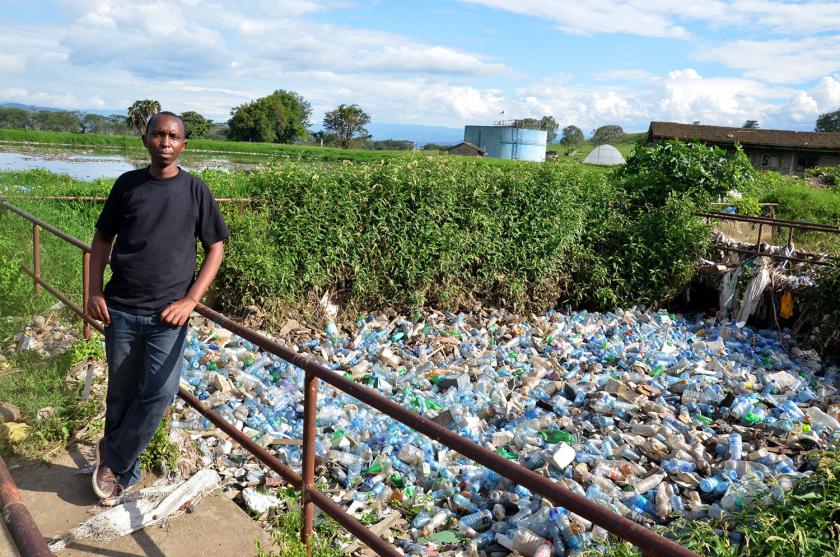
(750, 125)
(606, 134)
(550, 125)
(571, 137)
(547, 123)
(196, 125)
(527, 123)
(348, 123)
(15, 118)
(281, 117)
(56, 120)
(93, 123)
(828, 122)
(139, 113)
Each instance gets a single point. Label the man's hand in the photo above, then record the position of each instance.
(98, 309)
(177, 313)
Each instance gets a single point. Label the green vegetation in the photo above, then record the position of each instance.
(798, 200)
(803, 523)
(830, 175)
(693, 169)
(160, 454)
(133, 143)
(347, 123)
(285, 524)
(281, 117)
(32, 382)
(445, 231)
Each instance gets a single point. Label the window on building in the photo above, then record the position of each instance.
(765, 161)
(804, 163)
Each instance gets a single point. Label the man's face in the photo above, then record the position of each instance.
(165, 140)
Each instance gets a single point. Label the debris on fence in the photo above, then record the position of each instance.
(654, 415)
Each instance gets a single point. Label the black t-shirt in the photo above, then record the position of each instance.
(156, 222)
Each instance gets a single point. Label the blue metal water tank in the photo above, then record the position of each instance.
(508, 142)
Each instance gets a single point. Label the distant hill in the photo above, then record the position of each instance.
(32, 108)
(421, 135)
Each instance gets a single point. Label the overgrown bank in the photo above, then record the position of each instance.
(426, 231)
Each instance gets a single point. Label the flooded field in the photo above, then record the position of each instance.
(89, 164)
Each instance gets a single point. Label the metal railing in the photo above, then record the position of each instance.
(774, 223)
(651, 543)
(25, 534)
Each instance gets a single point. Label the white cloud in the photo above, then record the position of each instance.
(780, 61)
(11, 63)
(661, 18)
(595, 16)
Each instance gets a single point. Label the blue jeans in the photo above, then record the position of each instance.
(144, 368)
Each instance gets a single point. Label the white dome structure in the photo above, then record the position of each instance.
(604, 155)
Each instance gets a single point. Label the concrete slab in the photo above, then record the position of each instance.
(60, 499)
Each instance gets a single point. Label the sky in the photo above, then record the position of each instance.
(443, 63)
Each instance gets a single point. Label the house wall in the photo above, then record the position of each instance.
(789, 161)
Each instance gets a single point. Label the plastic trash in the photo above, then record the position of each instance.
(652, 415)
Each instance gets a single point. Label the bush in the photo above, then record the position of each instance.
(442, 231)
(693, 169)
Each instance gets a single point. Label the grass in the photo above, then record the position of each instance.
(285, 522)
(133, 143)
(798, 200)
(804, 523)
(32, 382)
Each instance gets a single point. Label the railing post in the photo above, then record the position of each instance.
(85, 290)
(36, 256)
(310, 408)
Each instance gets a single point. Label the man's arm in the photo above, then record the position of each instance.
(178, 312)
(100, 252)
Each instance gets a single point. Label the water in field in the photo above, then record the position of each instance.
(89, 165)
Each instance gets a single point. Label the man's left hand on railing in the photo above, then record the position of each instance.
(177, 313)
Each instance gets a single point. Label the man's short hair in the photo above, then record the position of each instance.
(154, 117)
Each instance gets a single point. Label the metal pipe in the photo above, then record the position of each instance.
(802, 225)
(85, 290)
(63, 235)
(21, 525)
(36, 255)
(636, 534)
(57, 293)
(828, 261)
(310, 410)
(101, 199)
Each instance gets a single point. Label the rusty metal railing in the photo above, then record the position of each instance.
(25, 533)
(791, 225)
(651, 543)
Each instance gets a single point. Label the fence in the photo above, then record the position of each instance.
(651, 543)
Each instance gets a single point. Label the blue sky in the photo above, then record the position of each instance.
(445, 63)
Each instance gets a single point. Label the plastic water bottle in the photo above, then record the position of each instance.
(735, 446)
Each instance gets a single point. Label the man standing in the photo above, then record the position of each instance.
(151, 219)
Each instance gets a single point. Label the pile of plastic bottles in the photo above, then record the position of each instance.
(655, 416)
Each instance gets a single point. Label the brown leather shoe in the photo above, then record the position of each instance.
(105, 482)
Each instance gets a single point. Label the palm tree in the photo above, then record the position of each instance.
(139, 113)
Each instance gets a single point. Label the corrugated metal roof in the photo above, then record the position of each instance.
(744, 136)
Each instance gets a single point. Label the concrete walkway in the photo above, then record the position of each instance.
(60, 499)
